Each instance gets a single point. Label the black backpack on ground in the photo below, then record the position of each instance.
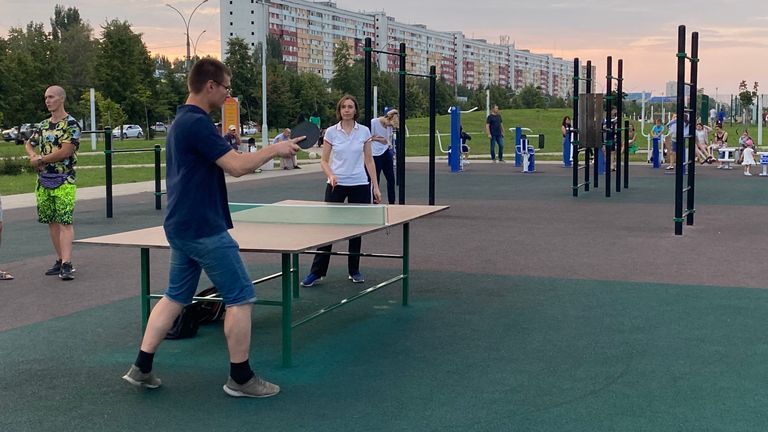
(197, 313)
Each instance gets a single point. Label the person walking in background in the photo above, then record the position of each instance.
(381, 148)
(57, 140)
(196, 226)
(4, 275)
(347, 161)
(494, 128)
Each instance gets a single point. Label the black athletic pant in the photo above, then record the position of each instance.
(385, 163)
(354, 195)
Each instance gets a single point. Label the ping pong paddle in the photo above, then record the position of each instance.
(309, 130)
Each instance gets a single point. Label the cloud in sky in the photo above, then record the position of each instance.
(733, 37)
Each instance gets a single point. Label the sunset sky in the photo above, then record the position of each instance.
(733, 34)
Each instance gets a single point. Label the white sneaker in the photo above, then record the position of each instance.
(747, 174)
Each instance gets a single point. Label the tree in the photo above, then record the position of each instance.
(123, 65)
(108, 113)
(246, 82)
(171, 89)
(77, 50)
(343, 78)
(529, 97)
(747, 98)
(29, 54)
(63, 20)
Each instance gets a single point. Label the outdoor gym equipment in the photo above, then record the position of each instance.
(681, 161)
(400, 144)
(109, 151)
(524, 150)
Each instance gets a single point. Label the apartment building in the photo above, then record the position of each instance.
(309, 31)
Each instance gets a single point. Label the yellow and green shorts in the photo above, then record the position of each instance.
(56, 205)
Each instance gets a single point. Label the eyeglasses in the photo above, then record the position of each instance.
(227, 88)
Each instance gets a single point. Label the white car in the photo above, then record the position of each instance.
(128, 131)
(160, 127)
(250, 129)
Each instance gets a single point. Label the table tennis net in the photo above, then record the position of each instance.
(309, 214)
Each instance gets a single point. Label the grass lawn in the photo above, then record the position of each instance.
(546, 121)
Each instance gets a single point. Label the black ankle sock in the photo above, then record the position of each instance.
(144, 361)
(240, 372)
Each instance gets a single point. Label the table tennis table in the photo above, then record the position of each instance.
(289, 228)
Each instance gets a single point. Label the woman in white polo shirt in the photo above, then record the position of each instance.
(348, 163)
(381, 148)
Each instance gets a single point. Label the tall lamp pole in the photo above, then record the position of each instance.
(194, 48)
(186, 25)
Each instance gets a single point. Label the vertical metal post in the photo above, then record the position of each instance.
(158, 175)
(295, 274)
(626, 154)
(679, 130)
(589, 150)
(619, 115)
(401, 131)
(432, 131)
(609, 131)
(368, 102)
(287, 309)
(406, 264)
(145, 288)
(692, 140)
(108, 168)
(575, 124)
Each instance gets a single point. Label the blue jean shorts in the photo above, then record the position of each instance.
(219, 257)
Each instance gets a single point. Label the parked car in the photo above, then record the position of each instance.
(160, 127)
(13, 133)
(250, 129)
(128, 131)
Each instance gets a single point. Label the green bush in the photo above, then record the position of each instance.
(13, 166)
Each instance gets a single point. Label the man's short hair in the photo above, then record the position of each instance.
(204, 70)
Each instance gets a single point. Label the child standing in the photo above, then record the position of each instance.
(748, 156)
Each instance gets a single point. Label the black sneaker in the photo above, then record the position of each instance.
(66, 271)
(56, 269)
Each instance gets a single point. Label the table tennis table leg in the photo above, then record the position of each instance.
(295, 275)
(287, 280)
(144, 287)
(406, 247)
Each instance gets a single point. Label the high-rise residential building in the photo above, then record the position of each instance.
(309, 31)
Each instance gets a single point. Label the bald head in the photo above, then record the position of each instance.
(57, 90)
(54, 100)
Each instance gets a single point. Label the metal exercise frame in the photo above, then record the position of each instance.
(109, 151)
(682, 111)
(576, 134)
(400, 145)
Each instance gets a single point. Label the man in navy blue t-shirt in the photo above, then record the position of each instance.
(197, 224)
(494, 128)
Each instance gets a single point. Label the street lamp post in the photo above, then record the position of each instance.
(194, 47)
(186, 25)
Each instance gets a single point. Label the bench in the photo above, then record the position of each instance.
(726, 156)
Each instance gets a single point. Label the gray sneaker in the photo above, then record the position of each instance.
(140, 379)
(255, 387)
